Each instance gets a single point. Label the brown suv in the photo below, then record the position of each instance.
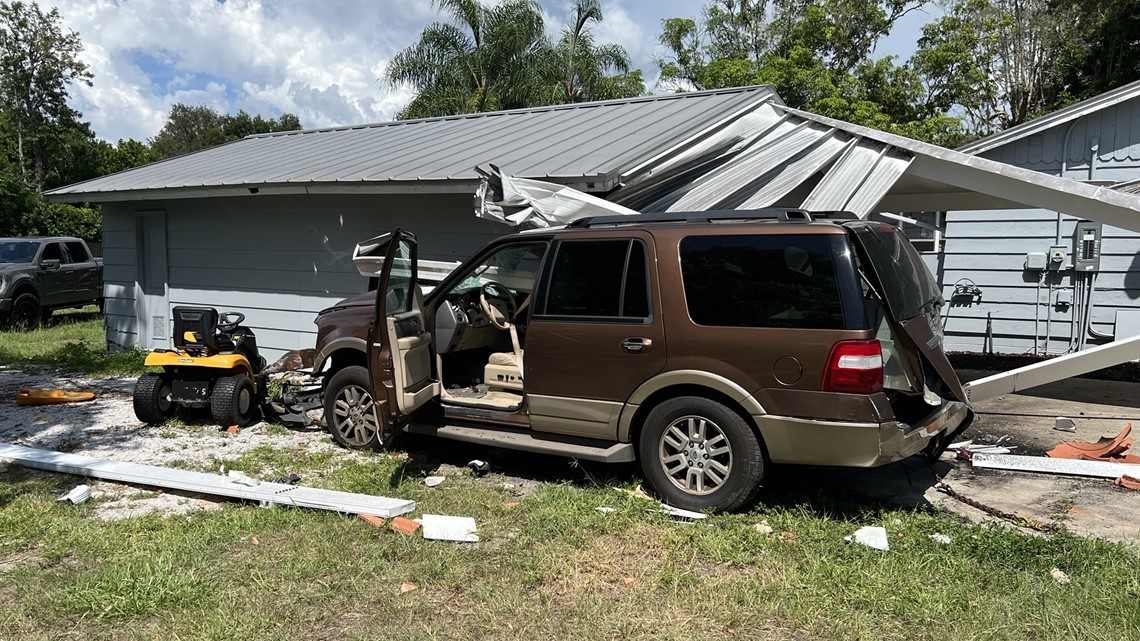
(704, 345)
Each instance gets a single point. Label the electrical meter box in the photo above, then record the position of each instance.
(1058, 257)
(1035, 261)
(1086, 246)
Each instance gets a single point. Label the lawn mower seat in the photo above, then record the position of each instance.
(196, 328)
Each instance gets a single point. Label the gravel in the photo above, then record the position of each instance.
(107, 428)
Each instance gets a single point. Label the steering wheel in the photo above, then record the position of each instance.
(228, 321)
(493, 292)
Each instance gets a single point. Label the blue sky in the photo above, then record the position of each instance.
(319, 60)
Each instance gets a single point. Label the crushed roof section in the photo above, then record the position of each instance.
(585, 142)
(1061, 116)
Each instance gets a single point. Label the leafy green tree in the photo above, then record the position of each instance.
(38, 62)
(189, 129)
(579, 68)
(485, 59)
(1002, 62)
(817, 55)
(1112, 55)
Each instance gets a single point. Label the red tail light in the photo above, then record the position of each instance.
(854, 367)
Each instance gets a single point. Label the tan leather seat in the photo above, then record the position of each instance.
(504, 371)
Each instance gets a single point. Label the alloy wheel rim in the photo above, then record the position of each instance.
(353, 417)
(696, 455)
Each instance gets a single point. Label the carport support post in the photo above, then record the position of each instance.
(1054, 369)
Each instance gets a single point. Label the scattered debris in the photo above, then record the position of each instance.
(376, 521)
(1064, 424)
(605, 510)
(288, 479)
(1100, 469)
(788, 536)
(636, 492)
(959, 445)
(479, 466)
(510, 505)
(941, 538)
(449, 528)
(629, 581)
(241, 478)
(254, 540)
(871, 536)
(404, 526)
(508, 486)
(78, 494)
(1127, 482)
(1010, 517)
(763, 528)
(679, 513)
(1112, 450)
(163, 477)
(433, 481)
(233, 429)
(51, 397)
(1059, 576)
(406, 587)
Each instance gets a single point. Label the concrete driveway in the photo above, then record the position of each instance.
(1085, 506)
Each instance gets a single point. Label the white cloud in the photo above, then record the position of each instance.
(321, 61)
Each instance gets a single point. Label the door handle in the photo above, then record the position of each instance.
(637, 345)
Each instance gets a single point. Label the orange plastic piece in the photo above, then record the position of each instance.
(51, 397)
(1109, 450)
(1127, 482)
(404, 526)
(373, 519)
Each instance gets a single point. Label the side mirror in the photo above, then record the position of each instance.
(49, 264)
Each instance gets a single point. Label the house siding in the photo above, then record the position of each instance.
(278, 259)
(990, 247)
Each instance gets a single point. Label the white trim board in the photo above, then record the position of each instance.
(239, 487)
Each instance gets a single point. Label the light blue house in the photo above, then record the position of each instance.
(1018, 280)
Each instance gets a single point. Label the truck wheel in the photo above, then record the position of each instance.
(152, 401)
(700, 455)
(349, 410)
(26, 311)
(233, 401)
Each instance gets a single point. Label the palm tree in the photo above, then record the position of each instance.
(578, 69)
(486, 58)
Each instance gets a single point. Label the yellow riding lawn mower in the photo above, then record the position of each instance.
(215, 364)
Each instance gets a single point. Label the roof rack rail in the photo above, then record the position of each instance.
(784, 215)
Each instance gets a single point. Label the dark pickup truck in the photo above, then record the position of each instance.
(40, 275)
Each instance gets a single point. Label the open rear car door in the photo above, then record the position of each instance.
(399, 345)
(913, 300)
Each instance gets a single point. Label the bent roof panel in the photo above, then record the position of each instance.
(585, 141)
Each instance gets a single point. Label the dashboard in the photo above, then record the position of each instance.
(460, 323)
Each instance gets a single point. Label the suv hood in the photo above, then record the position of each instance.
(910, 294)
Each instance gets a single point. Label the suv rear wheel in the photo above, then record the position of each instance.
(699, 455)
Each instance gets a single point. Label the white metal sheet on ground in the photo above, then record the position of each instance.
(1046, 465)
(236, 487)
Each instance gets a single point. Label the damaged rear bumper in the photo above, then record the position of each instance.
(847, 444)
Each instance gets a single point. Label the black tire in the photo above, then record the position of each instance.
(152, 401)
(45, 316)
(688, 443)
(233, 401)
(349, 411)
(25, 311)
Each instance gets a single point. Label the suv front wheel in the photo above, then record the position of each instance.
(700, 455)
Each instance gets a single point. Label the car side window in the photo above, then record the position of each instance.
(761, 281)
(76, 252)
(598, 279)
(52, 251)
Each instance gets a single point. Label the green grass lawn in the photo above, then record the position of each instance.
(72, 340)
(550, 567)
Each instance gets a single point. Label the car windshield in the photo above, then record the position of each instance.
(18, 251)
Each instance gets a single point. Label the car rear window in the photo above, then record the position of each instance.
(761, 281)
(906, 282)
